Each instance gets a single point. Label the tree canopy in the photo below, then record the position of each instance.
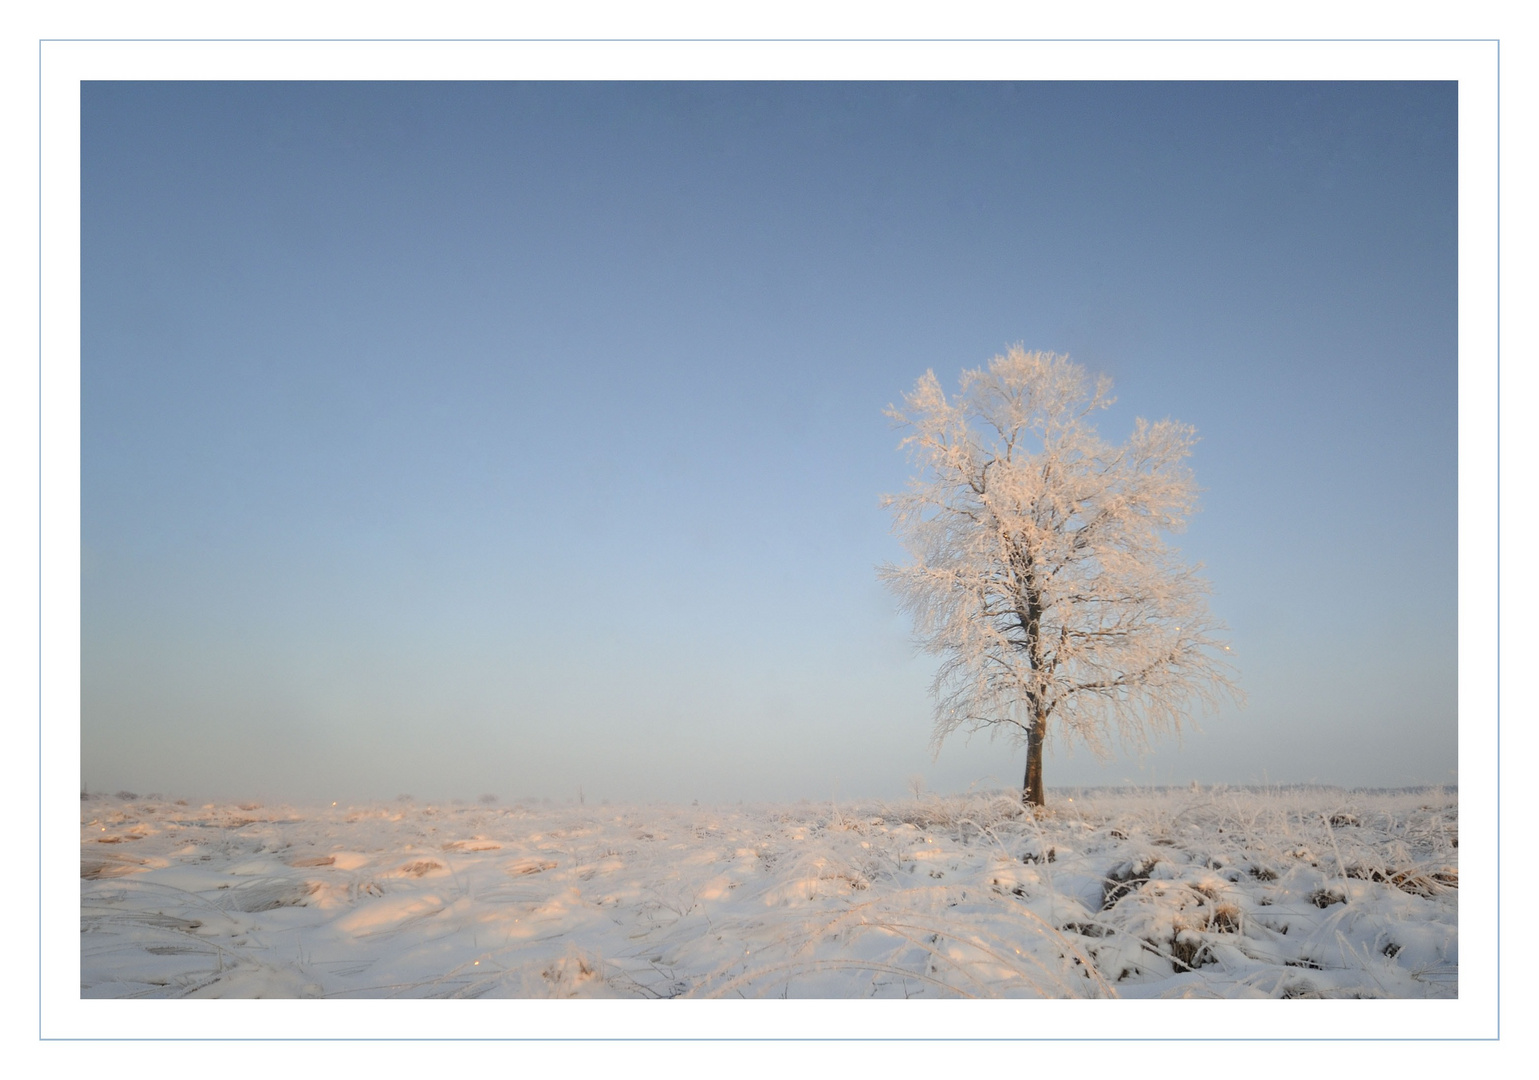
(1040, 570)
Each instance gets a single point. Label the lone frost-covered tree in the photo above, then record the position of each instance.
(1039, 567)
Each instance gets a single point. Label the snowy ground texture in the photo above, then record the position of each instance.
(1170, 893)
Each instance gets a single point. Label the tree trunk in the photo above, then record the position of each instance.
(1033, 794)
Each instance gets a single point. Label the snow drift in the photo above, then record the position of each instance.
(1214, 893)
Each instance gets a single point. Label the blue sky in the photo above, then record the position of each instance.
(529, 438)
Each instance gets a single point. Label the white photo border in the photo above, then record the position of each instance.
(65, 64)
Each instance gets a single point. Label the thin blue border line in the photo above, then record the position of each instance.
(779, 41)
(766, 1038)
(1375, 1039)
(40, 540)
(1498, 539)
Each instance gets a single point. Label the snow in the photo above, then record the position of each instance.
(1215, 892)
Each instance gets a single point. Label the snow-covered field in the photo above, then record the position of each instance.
(1170, 893)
